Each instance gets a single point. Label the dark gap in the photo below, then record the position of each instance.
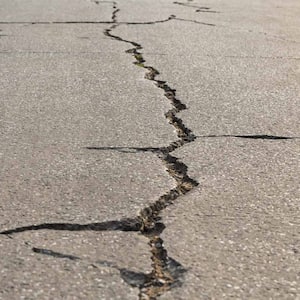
(134, 279)
(255, 137)
(172, 17)
(54, 254)
(133, 224)
(126, 149)
(194, 21)
(161, 278)
(57, 22)
(166, 272)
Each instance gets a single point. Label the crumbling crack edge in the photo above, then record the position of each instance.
(166, 272)
(162, 277)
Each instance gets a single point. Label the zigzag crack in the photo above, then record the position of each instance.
(161, 278)
(166, 272)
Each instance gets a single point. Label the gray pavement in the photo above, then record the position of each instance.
(92, 182)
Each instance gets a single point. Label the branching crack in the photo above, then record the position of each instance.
(166, 272)
(161, 278)
(203, 9)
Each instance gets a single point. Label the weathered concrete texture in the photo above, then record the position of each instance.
(79, 124)
(106, 80)
(239, 232)
(146, 10)
(75, 112)
(49, 120)
(29, 275)
(54, 11)
(56, 105)
(64, 183)
(273, 19)
(233, 82)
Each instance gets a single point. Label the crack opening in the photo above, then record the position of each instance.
(166, 272)
(128, 224)
(132, 278)
(54, 253)
(254, 137)
(162, 277)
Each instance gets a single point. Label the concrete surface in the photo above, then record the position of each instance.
(241, 237)
(80, 128)
(54, 11)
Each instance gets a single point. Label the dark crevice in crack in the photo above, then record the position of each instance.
(100, 22)
(162, 277)
(166, 272)
(115, 11)
(54, 253)
(264, 137)
(159, 150)
(194, 21)
(50, 52)
(148, 22)
(203, 9)
(56, 22)
(172, 17)
(127, 149)
(128, 224)
(142, 280)
(254, 137)
(132, 278)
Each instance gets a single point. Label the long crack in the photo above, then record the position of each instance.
(162, 277)
(166, 272)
